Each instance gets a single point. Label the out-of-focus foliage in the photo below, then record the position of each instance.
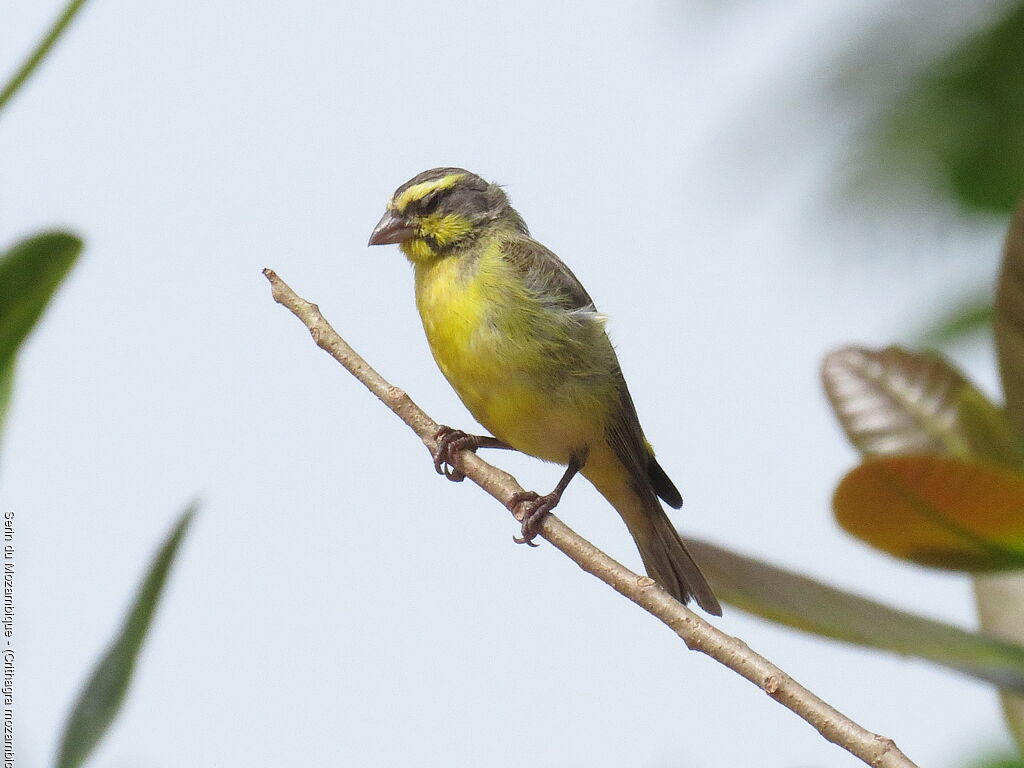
(803, 603)
(101, 698)
(943, 484)
(956, 501)
(31, 270)
(959, 126)
(999, 762)
(1009, 321)
(969, 317)
(936, 511)
(943, 87)
(893, 402)
(35, 58)
(30, 273)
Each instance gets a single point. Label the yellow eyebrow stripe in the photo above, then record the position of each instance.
(424, 188)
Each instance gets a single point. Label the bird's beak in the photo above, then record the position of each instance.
(393, 227)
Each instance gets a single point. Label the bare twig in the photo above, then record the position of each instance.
(698, 634)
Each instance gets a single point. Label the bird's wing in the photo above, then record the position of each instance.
(626, 437)
(548, 276)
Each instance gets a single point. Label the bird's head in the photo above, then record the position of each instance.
(441, 211)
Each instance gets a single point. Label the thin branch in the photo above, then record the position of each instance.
(42, 48)
(698, 634)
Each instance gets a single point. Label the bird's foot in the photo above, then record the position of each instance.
(450, 442)
(536, 508)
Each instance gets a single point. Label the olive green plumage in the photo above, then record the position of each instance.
(523, 345)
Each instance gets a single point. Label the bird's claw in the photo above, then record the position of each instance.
(449, 442)
(536, 508)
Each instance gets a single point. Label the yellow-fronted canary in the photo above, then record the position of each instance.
(522, 343)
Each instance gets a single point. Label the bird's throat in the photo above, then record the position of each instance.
(419, 250)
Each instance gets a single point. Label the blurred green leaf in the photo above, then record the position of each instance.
(811, 606)
(937, 511)
(999, 761)
(961, 124)
(971, 316)
(990, 433)
(30, 272)
(6, 386)
(1009, 320)
(99, 701)
(42, 48)
(894, 402)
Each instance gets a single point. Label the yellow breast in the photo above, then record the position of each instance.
(456, 309)
(467, 310)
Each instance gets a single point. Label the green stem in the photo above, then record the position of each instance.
(43, 48)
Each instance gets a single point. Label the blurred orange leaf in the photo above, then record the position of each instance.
(938, 511)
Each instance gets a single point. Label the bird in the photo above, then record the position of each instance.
(524, 347)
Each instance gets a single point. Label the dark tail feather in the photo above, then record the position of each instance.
(662, 550)
(669, 563)
(662, 485)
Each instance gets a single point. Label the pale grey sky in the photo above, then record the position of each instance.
(336, 603)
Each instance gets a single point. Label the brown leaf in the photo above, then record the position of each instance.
(894, 402)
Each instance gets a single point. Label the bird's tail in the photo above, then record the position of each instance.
(664, 555)
(669, 562)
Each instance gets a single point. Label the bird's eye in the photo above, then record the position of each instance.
(428, 204)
